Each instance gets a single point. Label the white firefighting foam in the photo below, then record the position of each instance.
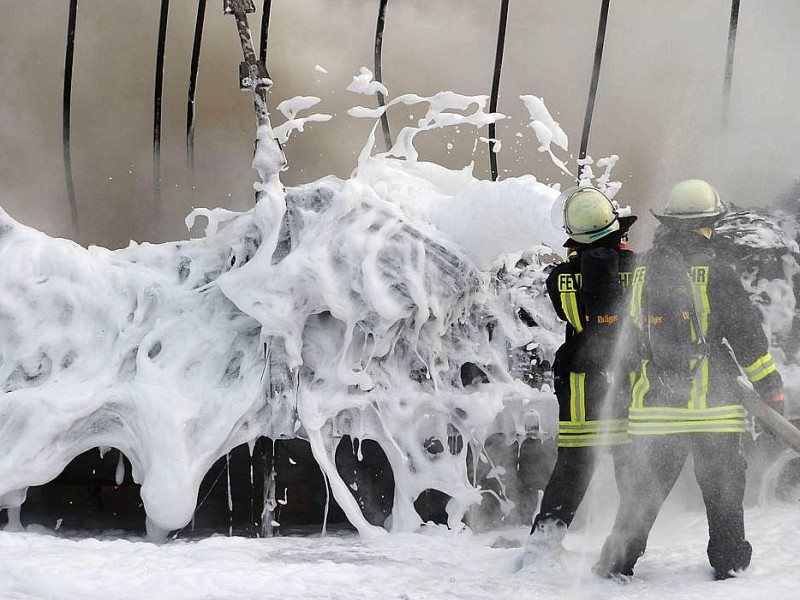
(339, 307)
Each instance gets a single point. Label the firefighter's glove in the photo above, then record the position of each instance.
(775, 401)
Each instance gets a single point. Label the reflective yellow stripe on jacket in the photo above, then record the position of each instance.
(578, 432)
(760, 368)
(661, 420)
(636, 297)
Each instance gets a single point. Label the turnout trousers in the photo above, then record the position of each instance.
(570, 479)
(719, 468)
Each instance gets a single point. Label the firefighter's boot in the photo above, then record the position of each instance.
(545, 544)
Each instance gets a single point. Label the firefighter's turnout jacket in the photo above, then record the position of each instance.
(695, 390)
(588, 291)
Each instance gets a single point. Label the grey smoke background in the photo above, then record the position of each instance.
(659, 104)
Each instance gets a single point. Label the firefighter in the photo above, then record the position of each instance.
(587, 292)
(695, 323)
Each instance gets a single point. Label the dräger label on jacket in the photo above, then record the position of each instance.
(607, 319)
(659, 319)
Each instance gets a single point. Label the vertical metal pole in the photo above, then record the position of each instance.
(253, 75)
(270, 504)
(266, 10)
(387, 135)
(66, 108)
(190, 109)
(259, 87)
(598, 58)
(726, 88)
(157, 94)
(498, 66)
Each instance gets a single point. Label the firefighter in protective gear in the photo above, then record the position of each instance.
(695, 322)
(588, 293)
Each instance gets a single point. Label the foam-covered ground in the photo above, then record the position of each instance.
(440, 564)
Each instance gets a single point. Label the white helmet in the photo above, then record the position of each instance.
(586, 214)
(692, 199)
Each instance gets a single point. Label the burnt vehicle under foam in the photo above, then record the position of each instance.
(762, 245)
(471, 433)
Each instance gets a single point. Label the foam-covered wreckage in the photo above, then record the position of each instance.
(762, 245)
(354, 320)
